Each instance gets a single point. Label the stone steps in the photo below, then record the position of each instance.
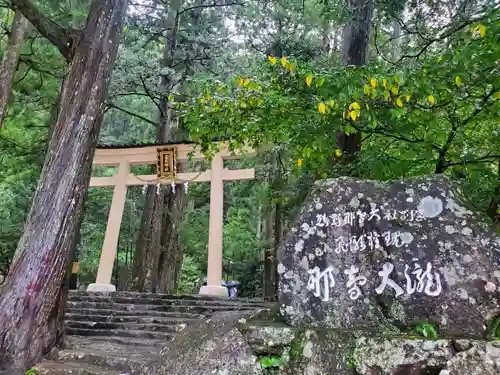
(137, 342)
(126, 313)
(168, 328)
(138, 319)
(118, 333)
(74, 296)
(74, 307)
(162, 301)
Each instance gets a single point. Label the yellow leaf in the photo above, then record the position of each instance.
(283, 61)
(394, 90)
(309, 79)
(299, 162)
(259, 102)
(321, 108)
(332, 103)
(366, 90)
(399, 102)
(324, 175)
(431, 99)
(458, 81)
(440, 58)
(373, 82)
(240, 82)
(355, 105)
(272, 60)
(246, 81)
(482, 30)
(353, 115)
(408, 97)
(338, 153)
(496, 95)
(385, 83)
(290, 67)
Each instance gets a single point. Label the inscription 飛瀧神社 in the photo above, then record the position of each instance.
(418, 280)
(372, 240)
(366, 241)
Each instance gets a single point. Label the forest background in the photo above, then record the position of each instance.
(379, 89)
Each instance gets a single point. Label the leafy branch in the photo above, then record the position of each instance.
(130, 113)
(55, 33)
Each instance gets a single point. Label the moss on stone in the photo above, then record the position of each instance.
(297, 348)
(397, 312)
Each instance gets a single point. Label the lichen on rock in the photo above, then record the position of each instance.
(383, 256)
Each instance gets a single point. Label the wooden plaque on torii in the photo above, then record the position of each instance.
(166, 165)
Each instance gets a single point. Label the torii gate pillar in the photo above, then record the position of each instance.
(214, 269)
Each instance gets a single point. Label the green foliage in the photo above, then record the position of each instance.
(190, 276)
(427, 331)
(270, 362)
(435, 115)
(351, 363)
(494, 328)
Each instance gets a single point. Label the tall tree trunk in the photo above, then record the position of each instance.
(10, 60)
(396, 43)
(155, 245)
(356, 39)
(172, 252)
(28, 326)
(176, 204)
(494, 206)
(145, 267)
(325, 37)
(272, 231)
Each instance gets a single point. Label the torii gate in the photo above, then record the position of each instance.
(166, 157)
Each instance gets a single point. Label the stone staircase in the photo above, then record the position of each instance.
(117, 333)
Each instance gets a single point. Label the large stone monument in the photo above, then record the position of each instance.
(385, 256)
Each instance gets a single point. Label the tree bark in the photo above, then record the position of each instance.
(325, 37)
(494, 206)
(169, 206)
(396, 43)
(10, 60)
(172, 253)
(272, 232)
(145, 267)
(60, 37)
(356, 39)
(28, 326)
